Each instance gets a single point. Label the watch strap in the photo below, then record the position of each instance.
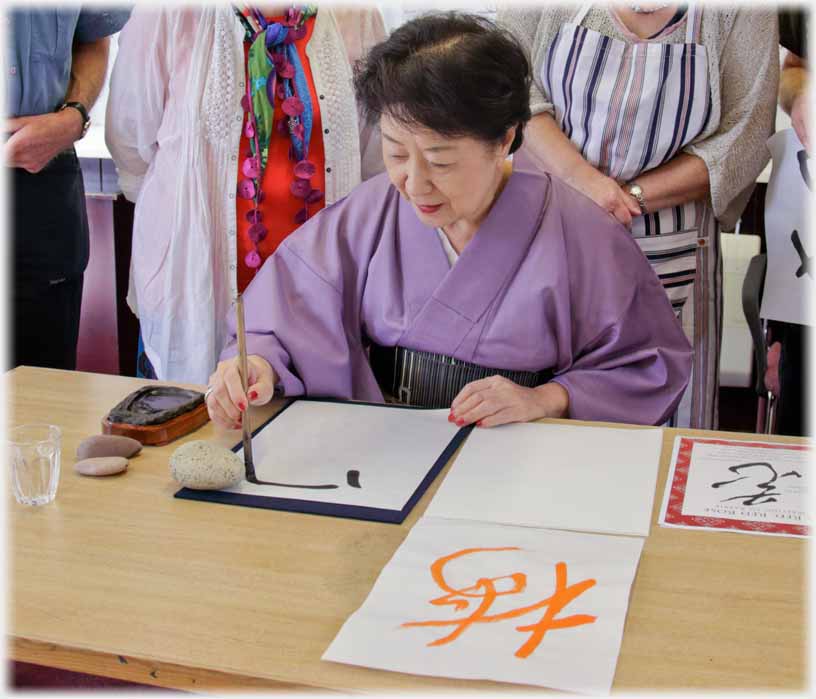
(86, 119)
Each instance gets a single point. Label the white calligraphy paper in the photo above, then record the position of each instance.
(751, 487)
(490, 602)
(789, 279)
(593, 479)
(374, 456)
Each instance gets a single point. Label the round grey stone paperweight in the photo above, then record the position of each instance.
(201, 465)
(101, 466)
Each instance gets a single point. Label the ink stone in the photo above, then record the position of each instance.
(154, 405)
(200, 465)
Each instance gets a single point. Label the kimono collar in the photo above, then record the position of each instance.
(499, 247)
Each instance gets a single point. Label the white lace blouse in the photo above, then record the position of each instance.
(173, 126)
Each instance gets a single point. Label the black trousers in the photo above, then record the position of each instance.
(49, 253)
(45, 321)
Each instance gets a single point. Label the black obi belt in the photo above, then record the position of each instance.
(429, 380)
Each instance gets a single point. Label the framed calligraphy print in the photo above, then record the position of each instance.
(742, 486)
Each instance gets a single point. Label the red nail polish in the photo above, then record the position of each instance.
(241, 407)
(253, 395)
(451, 418)
(479, 423)
(460, 423)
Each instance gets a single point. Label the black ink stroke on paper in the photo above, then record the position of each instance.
(766, 489)
(804, 258)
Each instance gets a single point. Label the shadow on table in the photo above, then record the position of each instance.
(26, 676)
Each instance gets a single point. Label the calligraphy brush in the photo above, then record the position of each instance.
(246, 425)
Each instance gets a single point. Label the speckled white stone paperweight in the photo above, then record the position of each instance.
(201, 465)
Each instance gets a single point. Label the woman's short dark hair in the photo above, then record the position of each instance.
(454, 73)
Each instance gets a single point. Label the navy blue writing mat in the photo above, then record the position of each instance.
(351, 511)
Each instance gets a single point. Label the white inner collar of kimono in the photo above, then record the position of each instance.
(452, 255)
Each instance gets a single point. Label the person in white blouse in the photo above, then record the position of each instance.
(181, 126)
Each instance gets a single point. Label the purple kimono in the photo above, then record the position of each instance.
(538, 287)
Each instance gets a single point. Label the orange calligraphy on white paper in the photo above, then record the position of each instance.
(485, 591)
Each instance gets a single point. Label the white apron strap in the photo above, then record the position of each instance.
(582, 11)
(692, 23)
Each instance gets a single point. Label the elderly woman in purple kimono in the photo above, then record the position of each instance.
(450, 280)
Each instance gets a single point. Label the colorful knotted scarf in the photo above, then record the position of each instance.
(274, 70)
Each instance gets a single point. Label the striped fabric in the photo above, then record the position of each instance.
(630, 107)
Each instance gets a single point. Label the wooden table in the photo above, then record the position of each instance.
(118, 578)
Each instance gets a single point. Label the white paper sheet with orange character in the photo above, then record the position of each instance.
(514, 604)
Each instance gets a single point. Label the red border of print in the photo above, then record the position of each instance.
(674, 509)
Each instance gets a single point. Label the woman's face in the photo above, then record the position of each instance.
(450, 181)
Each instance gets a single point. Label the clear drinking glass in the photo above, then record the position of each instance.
(34, 454)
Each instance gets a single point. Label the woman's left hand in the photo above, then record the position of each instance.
(497, 401)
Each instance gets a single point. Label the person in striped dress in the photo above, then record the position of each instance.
(658, 113)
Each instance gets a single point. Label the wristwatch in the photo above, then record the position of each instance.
(637, 192)
(86, 120)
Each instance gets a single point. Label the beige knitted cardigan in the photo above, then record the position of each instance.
(743, 60)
